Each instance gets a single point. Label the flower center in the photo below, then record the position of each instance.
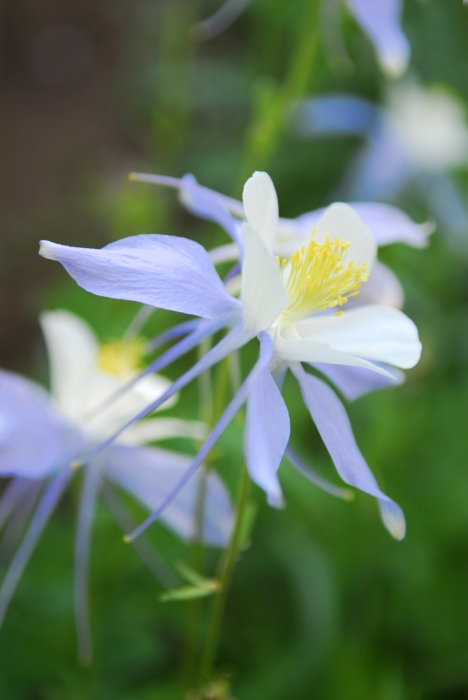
(320, 278)
(121, 357)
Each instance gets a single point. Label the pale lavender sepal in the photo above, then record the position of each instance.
(44, 510)
(335, 429)
(167, 272)
(91, 483)
(380, 20)
(354, 382)
(151, 473)
(207, 204)
(267, 428)
(34, 440)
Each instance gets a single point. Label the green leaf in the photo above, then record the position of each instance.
(190, 575)
(190, 592)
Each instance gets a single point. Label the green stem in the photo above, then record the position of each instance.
(212, 406)
(227, 568)
(274, 104)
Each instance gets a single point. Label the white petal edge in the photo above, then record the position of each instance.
(264, 297)
(261, 205)
(339, 220)
(379, 333)
(72, 348)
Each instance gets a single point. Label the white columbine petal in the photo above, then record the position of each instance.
(340, 220)
(377, 333)
(72, 349)
(261, 205)
(263, 294)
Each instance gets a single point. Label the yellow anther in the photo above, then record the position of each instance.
(321, 278)
(121, 357)
(284, 263)
(339, 313)
(278, 261)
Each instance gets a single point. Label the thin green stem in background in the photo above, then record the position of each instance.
(274, 104)
(227, 568)
(212, 406)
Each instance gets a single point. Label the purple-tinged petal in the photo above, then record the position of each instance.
(150, 474)
(91, 482)
(354, 382)
(164, 271)
(34, 441)
(267, 428)
(47, 504)
(335, 430)
(233, 205)
(391, 225)
(380, 20)
(229, 413)
(220, 20)
(234, 340)
(199, 200)
(316, 479)
(209, 205)
(142, 546)
(334, 115)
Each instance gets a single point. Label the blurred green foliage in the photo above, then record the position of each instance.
(323, 604)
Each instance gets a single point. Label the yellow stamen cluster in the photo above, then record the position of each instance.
(121, 357)
(320, 278)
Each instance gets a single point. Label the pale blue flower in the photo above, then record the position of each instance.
(379, 19)
(282, 303)
(413, 141)
(41, 435)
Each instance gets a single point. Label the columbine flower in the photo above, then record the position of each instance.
(284, 304)
(379, 19)
(416, 139)
(41, 436)
(387, 224)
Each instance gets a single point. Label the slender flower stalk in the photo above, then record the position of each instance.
(227, 569)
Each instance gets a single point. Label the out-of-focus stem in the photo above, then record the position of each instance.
(212, 406)
(275, 104)
(227, 568)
